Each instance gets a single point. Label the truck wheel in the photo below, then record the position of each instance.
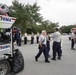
(4, 67)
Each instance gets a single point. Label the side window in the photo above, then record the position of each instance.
(4, 38)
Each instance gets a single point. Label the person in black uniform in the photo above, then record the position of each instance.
(18, 38)
(75, 36)
(48, 44)
(42, 47)
(37, 37)
(32, 38)
(25, 38)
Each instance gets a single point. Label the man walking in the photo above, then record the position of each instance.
(56, 44)
(42, 47)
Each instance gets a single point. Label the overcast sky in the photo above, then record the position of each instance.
(62, 11)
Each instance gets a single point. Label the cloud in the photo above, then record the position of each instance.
(27, 1)
(8, 2)
(62, 11)
(58, 11)
(63, 1)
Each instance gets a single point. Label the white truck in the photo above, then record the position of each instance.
(6, 48)
(11, 59)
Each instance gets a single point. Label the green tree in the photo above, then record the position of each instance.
(49, 26)
(27, 15)
(66, 29)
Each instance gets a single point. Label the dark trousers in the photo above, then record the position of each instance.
(48, 47)
(45, 52)
(56, 49)
(72, 43)
(37, 39)
(60, 48)
(19, 42)
(25, 40)
(61, 52)
(32, 40)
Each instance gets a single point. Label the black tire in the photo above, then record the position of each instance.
(4, 67)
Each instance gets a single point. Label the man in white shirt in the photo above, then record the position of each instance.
(56, 44)
(72, 40)
(42, 47)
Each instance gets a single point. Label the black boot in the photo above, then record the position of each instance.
(53, 59)
(36, 59)
(59, 58)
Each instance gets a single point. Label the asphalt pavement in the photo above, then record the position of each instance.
(65, 66)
